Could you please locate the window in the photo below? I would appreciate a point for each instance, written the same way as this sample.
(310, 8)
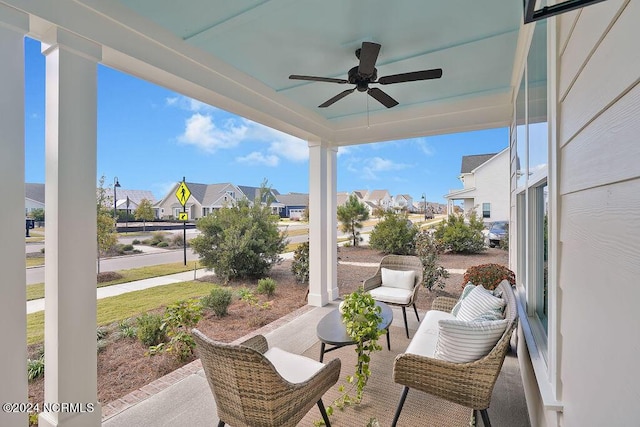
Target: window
(206, 211)
(486, 210)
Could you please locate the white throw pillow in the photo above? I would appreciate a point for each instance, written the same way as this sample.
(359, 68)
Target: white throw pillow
(478, 303)
(398, 278)
(465, 292)
(461, 342)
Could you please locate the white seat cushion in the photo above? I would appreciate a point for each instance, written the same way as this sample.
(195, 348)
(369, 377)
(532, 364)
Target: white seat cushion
(391, 295)
(479, 302)
(425, 339)
(460, 341)
(398, 278)
(292, 367)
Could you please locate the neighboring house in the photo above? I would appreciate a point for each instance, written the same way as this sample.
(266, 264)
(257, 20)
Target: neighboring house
(373, 199)
(403, 202)
(294, 205)
(203, 200)
(33, 197)
(134, 197)
(485, 178)
(253, 193)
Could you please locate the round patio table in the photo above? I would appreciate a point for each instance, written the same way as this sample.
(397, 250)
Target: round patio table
(332, 331)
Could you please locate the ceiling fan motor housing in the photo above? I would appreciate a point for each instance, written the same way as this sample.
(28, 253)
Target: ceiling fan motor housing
(362, 82)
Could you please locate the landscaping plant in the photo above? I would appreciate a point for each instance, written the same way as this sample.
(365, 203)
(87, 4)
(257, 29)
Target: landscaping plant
(150, 331)
(218, 301)
(240, 241)
(300, 263)
(266, 286)
(178, 320)
(426, 248)
(394, 234)
(489, 275)
(351, 215)
(458, 236)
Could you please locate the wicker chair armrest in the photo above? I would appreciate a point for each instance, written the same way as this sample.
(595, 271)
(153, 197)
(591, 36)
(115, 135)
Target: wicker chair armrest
(372, 282)
(315, 387)
(444, 304)
(258, 343)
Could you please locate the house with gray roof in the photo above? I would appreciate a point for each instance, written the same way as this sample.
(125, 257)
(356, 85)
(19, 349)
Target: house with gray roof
(485, 180)
(203, 200)
(129, 200)
(293, 205)
(33, 197)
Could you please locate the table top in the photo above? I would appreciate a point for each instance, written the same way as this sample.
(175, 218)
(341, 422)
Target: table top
(331, 330)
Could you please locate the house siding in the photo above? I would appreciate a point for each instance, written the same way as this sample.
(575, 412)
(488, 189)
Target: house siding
(598, 197)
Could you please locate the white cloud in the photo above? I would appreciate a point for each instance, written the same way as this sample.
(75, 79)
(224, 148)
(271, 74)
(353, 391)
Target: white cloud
(371, 168)
(189, 104)
(201, 132)
(426, 148)
(257, 158)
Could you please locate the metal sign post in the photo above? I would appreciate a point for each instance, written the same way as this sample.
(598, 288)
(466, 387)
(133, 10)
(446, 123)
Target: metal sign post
(183, 193)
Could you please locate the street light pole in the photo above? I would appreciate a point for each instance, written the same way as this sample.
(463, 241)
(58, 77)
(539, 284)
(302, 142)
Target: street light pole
(424, 206)
(116, 184)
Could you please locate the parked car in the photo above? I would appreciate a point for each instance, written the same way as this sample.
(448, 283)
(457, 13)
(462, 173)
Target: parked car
(497, 232)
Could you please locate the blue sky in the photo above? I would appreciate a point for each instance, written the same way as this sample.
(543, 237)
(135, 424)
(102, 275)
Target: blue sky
(150, 137)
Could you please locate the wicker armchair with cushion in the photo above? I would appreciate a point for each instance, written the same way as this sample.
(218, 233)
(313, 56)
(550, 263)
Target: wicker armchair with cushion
(397, 282)
(257, 386)
(458, 352)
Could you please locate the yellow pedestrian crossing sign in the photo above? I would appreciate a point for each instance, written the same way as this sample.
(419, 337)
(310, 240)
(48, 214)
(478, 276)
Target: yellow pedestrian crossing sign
(183, 216)
(183, 193)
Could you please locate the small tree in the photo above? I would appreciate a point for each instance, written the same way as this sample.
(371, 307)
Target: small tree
(427, 250)
(106, 228)
(351, 215)
(395, 234)
(144, 212)
(37, 214)
(240, 241)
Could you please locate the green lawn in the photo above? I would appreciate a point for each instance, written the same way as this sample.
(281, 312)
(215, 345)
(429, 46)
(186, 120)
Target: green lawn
(131, 304)
(36, 290)
(35, 261)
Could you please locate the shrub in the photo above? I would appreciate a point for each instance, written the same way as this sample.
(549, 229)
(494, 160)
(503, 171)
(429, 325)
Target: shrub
(489, 275)
(426, 248)
(136, 242)
(178, 320)
(35, 367)
(101, 332)
(239, 241)
(300, 264)
(127, 248)
(126, 329)
(162, 245)
(150, 331)
(393, 235)
(177, 240)
(457, 236)
(218, 301)
(267, 286)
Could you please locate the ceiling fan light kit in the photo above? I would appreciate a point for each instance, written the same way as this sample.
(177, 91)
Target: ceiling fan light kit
(366, 73)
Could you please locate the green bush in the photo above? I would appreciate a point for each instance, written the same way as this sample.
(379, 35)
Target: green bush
(427, 250)
(300, 263)
(395, 234)
(127, 330)
(127, 248)
(136, 242)
(162, 245)
(150, 331)
(101, 333)
(177, 322)
(241, 241)
(488, 275)
(218, 301)
(267, 286)
(457, 236)
(35, 367)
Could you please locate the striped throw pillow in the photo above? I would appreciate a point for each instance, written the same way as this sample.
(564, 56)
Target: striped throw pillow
(461, 342)
(478, 303)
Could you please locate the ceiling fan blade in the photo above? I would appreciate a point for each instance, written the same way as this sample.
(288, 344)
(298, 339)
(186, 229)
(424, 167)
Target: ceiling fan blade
(368, 57)
(436, 73)
(336, 98)
(382, 97)
(318, 79)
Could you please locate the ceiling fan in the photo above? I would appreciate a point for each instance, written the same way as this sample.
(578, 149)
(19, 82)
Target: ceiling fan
(366, 73)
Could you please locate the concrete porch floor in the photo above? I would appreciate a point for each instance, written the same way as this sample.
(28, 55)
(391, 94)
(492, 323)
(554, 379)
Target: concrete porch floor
(188, 400)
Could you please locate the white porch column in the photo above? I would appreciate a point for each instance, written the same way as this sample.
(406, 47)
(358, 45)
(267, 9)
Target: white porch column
(13, 333)
(318, 228)
(332, 223)
(70, 239)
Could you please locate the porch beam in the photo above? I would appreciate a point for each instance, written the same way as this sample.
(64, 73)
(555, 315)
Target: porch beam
(13, 358)
(70, 224)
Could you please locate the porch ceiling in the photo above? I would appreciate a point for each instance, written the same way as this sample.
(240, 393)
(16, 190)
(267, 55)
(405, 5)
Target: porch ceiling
(237, 55)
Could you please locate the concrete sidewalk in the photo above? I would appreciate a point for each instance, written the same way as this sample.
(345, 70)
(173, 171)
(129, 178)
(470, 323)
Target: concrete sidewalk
(109, 291)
